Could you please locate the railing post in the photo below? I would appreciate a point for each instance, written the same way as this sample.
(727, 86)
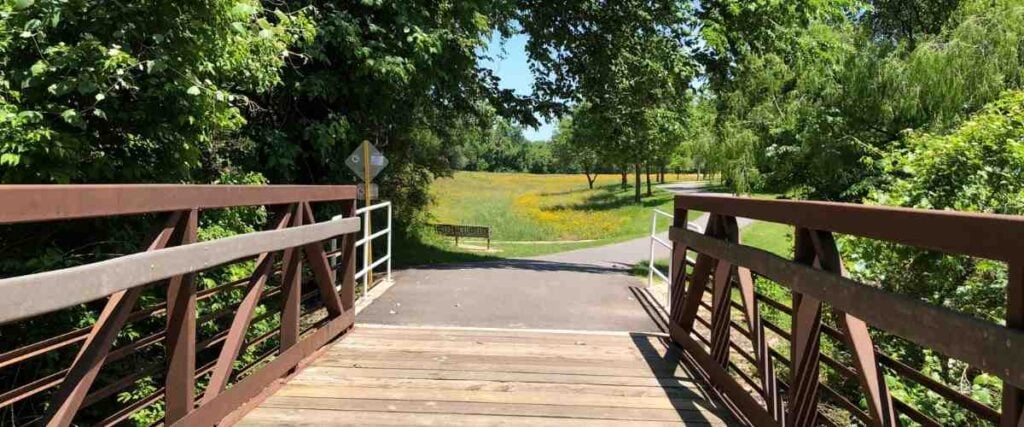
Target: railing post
(1013, 397)
(702, 270)
(322, 272)
(291, 288)
(650, 258)
(858, 339)
(762, 354)
(806, 344)
(181, 333)
(348, 258)
(367, 248)
(677, 284)
(391, 231)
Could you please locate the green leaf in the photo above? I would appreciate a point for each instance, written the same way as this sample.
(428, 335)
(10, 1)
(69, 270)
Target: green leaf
(243, 10)
(23, 4)
(193, 90)
(38, 68)
(10, 159)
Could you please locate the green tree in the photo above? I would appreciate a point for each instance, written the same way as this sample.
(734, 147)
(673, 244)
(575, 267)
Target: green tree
(141, 91)
(576, 146)
(625, 59)
(978, 167)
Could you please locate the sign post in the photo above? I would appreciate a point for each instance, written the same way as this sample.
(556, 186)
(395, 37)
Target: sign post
(367, 162)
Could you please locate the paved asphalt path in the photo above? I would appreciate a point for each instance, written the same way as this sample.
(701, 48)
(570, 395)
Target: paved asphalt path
(586, 289)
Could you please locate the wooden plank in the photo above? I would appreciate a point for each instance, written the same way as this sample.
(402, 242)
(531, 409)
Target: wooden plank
(443, 355)
(502, 335)
(29, 203)
(480, 347)
(542, 376)
(532, 366)
(310, 417)
(530, 397)
(411, 376)
(988, 346)
(318, 379)
(34, 294)
(569, 342)
(621, 343)
(483, 408)
(946, 231)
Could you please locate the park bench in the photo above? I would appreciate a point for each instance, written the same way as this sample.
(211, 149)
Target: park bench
(456, 231)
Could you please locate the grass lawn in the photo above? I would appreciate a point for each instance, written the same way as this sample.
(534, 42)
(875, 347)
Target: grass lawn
(557, 211)
(770, 236)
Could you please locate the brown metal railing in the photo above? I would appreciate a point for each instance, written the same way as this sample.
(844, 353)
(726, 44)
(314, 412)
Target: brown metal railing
(156, 292)
(716, 309)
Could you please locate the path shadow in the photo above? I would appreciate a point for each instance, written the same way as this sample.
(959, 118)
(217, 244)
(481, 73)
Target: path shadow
(528, 264)
(406, 248)
(651, 306)
(566, 192)
(611, 200)
(674, 355)
(665, 358)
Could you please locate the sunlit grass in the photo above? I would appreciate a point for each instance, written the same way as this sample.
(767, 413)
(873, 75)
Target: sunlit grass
(772, 237)
(526, 207)
(559, 211)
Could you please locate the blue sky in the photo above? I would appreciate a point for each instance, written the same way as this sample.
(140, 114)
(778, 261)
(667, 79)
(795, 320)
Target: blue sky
(510, 64)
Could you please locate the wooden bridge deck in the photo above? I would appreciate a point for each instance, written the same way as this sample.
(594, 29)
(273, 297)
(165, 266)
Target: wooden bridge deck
(444, 376)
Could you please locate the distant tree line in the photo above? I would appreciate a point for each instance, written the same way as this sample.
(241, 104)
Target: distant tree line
(502, 147)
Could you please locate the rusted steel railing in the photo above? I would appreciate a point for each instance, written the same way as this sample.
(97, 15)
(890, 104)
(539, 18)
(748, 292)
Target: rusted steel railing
(196, 378)
(717, 309)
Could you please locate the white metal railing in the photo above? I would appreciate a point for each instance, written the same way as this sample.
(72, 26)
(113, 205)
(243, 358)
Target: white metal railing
(366, 243)
(652, 269)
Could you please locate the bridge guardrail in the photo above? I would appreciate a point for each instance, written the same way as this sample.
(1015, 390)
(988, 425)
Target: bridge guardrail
(183, 337)
(816, 279)
(656, 241)
(365, 243)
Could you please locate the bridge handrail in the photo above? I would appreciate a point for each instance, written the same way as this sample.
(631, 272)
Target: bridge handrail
(656, 241)
(815, 278)
(174, 258)
(366, 243)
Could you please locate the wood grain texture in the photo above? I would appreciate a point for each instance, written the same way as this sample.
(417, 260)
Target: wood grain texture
(420, 376)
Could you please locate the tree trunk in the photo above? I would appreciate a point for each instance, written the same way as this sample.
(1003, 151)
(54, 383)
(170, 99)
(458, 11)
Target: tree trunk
(648, 167)
(625, 181)
(636, 183)
(661, 177)
(590, 181)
